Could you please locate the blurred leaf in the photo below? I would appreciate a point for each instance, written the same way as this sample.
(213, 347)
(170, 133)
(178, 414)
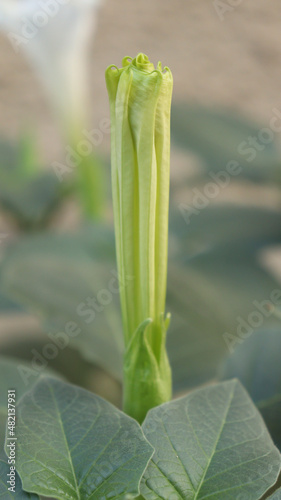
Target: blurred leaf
(72, 444)
(214, 277)
(8, 306)
(19, 161)
(10, 164)
(210, 444)
(223, 225)
(5, 494)
(54, 274)
(256, 362)
(91, 186)
(71, 282)
(29, 158)
(228, 240)
(28, 193)
(32, 203)
(216, 135)
(194, 341)
(237, 281)
(208, 299)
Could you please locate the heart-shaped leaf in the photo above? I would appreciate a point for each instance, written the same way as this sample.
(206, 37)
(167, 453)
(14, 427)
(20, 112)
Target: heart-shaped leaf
(210, 444)
(16, 493)
(74, 445)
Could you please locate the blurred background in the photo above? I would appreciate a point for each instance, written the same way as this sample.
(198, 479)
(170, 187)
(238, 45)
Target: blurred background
(56, 230)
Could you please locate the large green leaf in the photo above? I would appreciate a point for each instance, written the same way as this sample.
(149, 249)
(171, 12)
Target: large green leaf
(210, 444)
(56, 275)
(5, 494)
(74, 445)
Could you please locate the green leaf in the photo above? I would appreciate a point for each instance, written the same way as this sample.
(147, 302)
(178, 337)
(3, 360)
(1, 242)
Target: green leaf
(74, 445)
(210, 444)
(5, 494)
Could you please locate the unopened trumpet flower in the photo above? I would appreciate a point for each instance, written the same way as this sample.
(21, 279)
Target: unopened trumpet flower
(54, 36)
(140, 102)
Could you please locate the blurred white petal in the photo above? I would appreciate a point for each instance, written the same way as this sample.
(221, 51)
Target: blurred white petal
(54, 35)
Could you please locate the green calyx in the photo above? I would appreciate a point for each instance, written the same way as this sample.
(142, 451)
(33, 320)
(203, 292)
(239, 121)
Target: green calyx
(147, 380)
(140, 102)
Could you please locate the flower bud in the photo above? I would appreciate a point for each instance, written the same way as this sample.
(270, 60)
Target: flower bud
(140, 102)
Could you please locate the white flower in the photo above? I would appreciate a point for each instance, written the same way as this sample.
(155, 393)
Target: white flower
(54, 35)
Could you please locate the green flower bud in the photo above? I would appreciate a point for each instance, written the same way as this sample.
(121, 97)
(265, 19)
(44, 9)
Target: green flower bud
(140, 103)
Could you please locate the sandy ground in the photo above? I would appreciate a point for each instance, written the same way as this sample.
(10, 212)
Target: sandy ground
(234, 62)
